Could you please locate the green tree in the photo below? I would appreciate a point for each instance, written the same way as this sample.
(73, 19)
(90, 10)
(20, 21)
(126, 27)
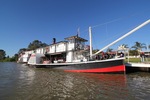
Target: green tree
(94, 51)
(133, 52)
(14, 58)
(109, 50)
(148, 47)
(138, 46)
(22, 50)
(2, 54)
(123, 47)
(36, 44)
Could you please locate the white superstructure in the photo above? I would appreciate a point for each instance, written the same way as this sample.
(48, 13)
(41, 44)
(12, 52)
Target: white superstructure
(24, 56)
(73, 49)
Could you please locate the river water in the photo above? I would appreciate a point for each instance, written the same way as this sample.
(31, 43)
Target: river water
(19, 82)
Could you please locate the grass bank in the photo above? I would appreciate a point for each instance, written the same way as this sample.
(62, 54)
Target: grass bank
(137, 60)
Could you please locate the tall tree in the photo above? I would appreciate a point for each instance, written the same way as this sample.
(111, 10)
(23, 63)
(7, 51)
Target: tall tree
(138, 46)
(36, 44)
(14, 58)
(148, 47)
(94, 51)
(109, 50)
(123, 47)
(2, 54)
(22, 50)
(133, 52)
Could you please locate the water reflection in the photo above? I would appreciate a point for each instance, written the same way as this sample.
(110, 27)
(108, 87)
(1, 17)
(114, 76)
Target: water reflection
(19, 82)
(54, 84)
(106, 86)
(139, 86)
(26, 75)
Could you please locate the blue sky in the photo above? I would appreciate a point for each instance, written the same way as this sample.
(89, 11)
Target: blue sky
(22, 21)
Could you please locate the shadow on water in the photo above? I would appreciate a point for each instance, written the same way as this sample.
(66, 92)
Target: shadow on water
(24, 83)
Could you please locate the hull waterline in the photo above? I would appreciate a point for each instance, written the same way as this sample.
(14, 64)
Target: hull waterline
(106, 66)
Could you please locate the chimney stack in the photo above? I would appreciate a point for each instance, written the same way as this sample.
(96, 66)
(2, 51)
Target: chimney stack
(54, 40)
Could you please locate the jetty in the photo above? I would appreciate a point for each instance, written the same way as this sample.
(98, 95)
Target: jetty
(137, 67)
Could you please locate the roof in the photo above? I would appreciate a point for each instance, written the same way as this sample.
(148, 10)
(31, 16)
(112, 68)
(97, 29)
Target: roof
(77, 38)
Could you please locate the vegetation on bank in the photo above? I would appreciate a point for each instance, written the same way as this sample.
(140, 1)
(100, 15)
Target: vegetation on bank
(137, 60)
(10, 59)
(32, 46)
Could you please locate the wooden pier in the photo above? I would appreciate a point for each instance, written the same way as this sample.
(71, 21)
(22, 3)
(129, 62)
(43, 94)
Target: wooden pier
(137, 67)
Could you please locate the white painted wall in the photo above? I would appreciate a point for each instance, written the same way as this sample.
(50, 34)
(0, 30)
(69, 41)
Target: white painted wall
(35, 58)
(25, 59)
(29, 52)
(61, 47)
(40, 50)
(71, 46)
(52, 49)
(69, 56)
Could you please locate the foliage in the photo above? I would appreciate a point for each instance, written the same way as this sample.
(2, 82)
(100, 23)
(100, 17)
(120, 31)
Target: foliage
(94, 51)
(22, 50)
(138, 46)
(12, 59)
(133, 52)
(32, 46)
(148, 47)
(2, 54)
(15, 57)
(135, 60)
(36, 44)
(123, 47)
(109, 50)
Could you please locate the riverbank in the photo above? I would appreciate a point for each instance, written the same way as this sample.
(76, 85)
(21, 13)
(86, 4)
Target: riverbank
(13, 59)
(137, 60)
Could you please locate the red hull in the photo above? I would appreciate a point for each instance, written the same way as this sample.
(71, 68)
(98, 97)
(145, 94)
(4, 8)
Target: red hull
(111, 69)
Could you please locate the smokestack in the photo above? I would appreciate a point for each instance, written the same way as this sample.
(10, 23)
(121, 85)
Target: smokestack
(54, 40)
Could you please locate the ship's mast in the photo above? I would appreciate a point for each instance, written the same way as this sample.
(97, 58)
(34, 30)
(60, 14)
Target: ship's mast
(90, 36)
(130, 32)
